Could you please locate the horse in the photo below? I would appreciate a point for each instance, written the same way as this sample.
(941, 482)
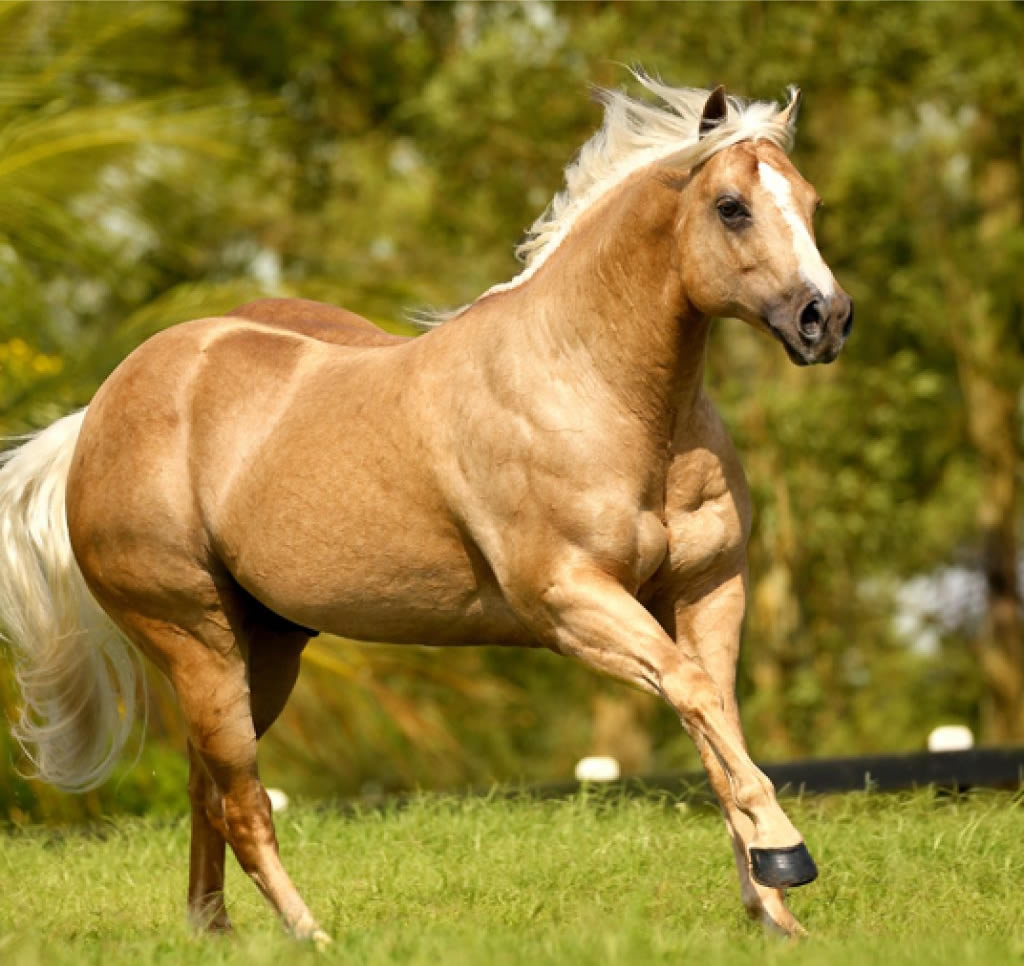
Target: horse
(540, 468)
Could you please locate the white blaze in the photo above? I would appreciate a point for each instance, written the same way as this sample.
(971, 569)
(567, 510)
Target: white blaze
(812, 265)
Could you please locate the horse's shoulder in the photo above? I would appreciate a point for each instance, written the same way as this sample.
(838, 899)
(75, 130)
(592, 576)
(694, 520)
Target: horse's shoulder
(316, 320)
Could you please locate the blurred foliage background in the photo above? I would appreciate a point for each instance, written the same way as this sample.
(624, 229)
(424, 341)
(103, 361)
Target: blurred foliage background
(160, 161)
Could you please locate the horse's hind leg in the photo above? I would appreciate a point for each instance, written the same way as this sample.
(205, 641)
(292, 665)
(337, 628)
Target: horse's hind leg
(274, 653)
(215, 699)
(206, 909)
(206, 663)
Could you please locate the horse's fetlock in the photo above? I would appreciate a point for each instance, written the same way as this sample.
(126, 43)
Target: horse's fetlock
(752, 795)
(754, 909)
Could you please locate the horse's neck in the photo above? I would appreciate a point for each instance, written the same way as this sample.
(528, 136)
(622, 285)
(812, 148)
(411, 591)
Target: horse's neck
(610, 304)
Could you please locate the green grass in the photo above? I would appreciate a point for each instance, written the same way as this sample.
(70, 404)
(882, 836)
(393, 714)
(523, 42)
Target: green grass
(906, 880)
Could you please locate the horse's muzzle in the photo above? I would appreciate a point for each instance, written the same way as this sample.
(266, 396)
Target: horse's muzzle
(811, 328)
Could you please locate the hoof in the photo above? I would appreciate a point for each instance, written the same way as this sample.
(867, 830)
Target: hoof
(783, 868)
(310, 932)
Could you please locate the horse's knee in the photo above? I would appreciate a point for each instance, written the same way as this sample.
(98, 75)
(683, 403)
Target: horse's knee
(693, 695)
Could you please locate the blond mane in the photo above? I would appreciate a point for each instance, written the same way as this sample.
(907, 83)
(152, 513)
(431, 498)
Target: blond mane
(636, 133)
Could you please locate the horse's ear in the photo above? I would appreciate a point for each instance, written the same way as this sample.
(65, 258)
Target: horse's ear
(788, 114)
(715, 110)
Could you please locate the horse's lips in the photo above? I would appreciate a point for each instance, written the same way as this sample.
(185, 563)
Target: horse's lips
(795, 356)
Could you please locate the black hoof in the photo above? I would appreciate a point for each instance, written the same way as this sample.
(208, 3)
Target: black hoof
(783, 868)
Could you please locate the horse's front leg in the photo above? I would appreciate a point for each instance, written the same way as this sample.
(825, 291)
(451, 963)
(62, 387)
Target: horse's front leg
(589, 615)
(709, 628)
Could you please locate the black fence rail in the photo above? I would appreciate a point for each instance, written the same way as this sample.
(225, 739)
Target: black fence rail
(979, 767)
(954, 770)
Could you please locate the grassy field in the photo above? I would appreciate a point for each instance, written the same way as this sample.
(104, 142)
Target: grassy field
(595, 879)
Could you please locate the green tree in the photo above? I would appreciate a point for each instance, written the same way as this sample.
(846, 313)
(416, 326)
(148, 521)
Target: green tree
(161, 161)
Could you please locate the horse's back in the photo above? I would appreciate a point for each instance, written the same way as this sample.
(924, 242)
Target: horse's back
(317, 320)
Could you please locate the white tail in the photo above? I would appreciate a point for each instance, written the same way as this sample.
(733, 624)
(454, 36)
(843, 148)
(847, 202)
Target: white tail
(78, 675)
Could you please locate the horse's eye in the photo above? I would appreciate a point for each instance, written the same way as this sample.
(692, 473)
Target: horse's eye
(732, 211)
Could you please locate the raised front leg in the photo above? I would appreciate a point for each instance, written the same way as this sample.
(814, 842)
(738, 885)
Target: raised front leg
(709, 630)
(591, 616)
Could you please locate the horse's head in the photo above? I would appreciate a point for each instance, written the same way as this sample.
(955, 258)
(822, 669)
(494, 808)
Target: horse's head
(748, 234)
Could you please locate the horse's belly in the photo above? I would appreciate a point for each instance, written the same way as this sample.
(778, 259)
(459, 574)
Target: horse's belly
(361, 560)
(379, 597)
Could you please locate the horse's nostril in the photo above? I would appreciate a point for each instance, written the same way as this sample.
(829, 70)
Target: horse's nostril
(848, 324)
(811, 319)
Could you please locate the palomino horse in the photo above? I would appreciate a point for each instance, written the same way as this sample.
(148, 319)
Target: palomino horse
(543, 469)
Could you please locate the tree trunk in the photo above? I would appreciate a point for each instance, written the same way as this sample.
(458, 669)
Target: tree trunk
(989, 368)
(992, 424)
